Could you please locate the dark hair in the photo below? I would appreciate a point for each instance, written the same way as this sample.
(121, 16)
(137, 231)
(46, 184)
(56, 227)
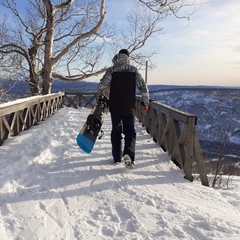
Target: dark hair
(124, 51)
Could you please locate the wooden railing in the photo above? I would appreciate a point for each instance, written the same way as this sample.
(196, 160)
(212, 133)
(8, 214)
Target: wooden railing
(80, 99)
(175, 132)
(20, 115)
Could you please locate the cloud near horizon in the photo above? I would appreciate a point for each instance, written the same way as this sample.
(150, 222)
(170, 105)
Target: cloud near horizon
(206, 50)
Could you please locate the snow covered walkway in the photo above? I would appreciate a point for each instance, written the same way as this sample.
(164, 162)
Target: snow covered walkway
(51, 190)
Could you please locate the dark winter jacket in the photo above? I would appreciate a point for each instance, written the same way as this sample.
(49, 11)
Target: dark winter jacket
(122, 79)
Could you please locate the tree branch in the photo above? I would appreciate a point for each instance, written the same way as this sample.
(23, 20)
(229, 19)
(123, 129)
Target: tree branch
(83, 36)
(79, 77)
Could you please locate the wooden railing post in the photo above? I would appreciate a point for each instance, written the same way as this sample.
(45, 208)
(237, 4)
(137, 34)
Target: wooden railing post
(189, 148)
(200, 161)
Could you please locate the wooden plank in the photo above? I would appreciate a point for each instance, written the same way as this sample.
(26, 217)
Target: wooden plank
(153, 124)
(42, 110)
(1, 131)
(80, 96)
(72, 104)
(164, 141)
(183, 136)
(4, 130)
(189, 149)
(12, 123)
(147, 120)
(69, 100)
(170, 136)
(155, 135)
(200, 162)
(163, 129)
(178, 151)
(8, 131)
(23, 119)
(89, 101)
(34, 115)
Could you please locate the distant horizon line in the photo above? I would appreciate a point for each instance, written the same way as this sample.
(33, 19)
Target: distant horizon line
(194, 86)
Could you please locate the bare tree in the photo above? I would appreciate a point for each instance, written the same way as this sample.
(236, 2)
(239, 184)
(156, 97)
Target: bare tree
(223, 167)
(172, 7)
(51, 33)
(142, 26)
(8, 65)
(66, 40)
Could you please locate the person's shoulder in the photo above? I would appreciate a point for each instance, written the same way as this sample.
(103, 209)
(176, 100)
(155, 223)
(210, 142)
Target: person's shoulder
(133, 68)
(110, 69)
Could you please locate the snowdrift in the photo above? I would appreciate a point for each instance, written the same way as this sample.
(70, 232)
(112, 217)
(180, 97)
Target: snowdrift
(50, 189)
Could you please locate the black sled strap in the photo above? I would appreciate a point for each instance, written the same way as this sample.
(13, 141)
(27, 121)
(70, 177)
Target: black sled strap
(94, 125)
(101, 134)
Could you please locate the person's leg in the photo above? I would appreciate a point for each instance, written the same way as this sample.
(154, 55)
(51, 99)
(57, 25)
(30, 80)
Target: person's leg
(116, 137)
(130, 135)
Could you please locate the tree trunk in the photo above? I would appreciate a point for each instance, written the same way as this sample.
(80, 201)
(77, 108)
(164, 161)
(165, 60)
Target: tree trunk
(48, 64)
(34, 86)
(47, 80)
(34, 77)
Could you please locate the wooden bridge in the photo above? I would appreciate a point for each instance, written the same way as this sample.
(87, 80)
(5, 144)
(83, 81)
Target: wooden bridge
(174, 130)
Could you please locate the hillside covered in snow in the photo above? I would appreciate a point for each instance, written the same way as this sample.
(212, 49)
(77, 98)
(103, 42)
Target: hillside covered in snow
(51, 190)
(218, 113)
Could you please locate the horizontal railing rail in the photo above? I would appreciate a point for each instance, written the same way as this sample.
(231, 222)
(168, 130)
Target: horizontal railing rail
(80, 99)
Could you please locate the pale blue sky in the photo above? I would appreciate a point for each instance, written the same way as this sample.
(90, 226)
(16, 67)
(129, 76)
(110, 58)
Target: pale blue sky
(207, 51)
(203, 51)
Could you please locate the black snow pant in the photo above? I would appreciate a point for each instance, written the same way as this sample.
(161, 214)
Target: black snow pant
(123, 124)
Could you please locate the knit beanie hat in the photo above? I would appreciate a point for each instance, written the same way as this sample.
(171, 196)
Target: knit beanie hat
(124, 51)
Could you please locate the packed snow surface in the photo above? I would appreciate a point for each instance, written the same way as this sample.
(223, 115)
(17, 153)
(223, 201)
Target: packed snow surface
(50, 189)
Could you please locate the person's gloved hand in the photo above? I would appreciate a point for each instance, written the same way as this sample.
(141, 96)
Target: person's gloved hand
(144, 108)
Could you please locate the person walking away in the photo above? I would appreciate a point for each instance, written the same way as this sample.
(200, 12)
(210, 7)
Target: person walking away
(120, 81)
